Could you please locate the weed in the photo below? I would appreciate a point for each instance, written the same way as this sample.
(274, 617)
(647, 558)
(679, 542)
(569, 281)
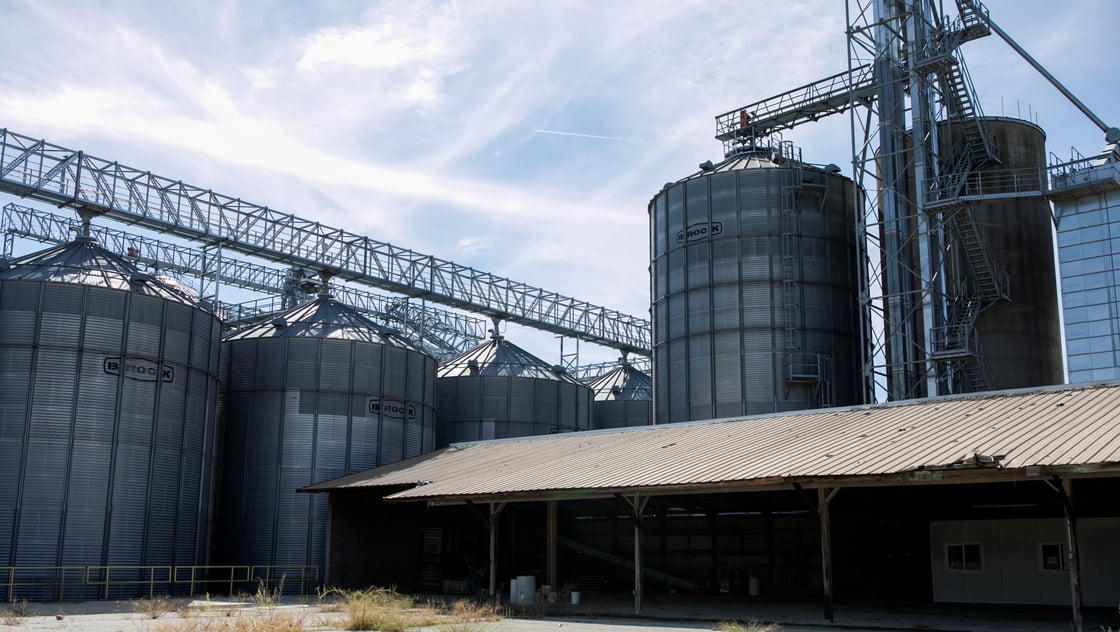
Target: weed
(460, 627)
(749, 626)
(387, 610)
(271, 621)
(153, 607)
(266, 597)
(16, 612)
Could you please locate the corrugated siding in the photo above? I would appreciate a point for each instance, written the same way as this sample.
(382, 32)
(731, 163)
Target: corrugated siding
(1053, 427)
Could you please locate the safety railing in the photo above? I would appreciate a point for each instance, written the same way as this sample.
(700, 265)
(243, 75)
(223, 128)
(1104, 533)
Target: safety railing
(32, 578)
(57, 583)
(109, 576)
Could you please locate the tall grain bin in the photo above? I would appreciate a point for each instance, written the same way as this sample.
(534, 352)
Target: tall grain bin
(498, 390)
(754, 289)
(1021, 337)
(317, 392)
(623, 397)
(108, 385)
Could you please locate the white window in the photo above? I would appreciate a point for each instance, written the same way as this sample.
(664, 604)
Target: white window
(964, 557)
(1052, 557)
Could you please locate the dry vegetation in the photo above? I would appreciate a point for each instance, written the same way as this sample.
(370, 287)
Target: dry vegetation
(370, 609)
(750, 626)
(16, 612)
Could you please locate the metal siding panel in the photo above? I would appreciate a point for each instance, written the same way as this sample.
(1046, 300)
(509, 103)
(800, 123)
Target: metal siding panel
(334, 366)
(145, 326)
(521, 399)
(698, 256)
(699, 311)
(392, 440)
(303, 363)
(547, 402)
(177, 333)
(678, 315)
(700, 384)
(415, 376)
(266, 369)
(396, 367)
(414, 437)
(495, 397)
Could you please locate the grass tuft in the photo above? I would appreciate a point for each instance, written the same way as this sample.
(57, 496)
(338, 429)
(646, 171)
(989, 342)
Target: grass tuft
(749, 626)
(16, 612)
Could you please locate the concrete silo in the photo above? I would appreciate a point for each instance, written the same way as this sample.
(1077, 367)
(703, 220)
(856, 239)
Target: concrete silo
(754, 288)
(108, 386)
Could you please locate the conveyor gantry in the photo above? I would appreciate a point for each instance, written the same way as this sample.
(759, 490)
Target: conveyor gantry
(812, 101)
(93, 186)
(441, 332)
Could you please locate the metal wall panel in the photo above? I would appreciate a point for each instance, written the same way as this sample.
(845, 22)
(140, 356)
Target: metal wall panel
(506, 405)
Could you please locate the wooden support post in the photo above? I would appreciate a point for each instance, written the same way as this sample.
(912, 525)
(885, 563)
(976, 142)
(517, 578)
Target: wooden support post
(824, 497)
(495, 510)
(637, 507)
(1071, 551)
(550, 562)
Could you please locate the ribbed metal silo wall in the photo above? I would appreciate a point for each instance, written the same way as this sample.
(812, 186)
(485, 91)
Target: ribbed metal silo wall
(305, 410)
(483, 407)
(1021, 338)
(752, 268)
(624, 413)
(107, 404)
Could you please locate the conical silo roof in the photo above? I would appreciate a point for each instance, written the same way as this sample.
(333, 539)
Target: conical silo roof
(85, 262)
(624, 382)
(324, 317)
(501, 357)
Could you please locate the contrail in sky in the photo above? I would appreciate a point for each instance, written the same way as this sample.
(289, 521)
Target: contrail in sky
(549, 131)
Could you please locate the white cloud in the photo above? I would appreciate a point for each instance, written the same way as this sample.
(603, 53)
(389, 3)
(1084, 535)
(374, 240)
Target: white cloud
(413, 121)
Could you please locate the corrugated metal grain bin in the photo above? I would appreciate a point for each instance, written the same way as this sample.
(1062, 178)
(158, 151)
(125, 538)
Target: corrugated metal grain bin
(754, 289)
(108, 386)
(317, 392)
(623, 398)
(498, 390)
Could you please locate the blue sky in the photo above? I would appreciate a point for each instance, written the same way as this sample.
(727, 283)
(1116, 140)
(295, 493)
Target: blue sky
(521, 138)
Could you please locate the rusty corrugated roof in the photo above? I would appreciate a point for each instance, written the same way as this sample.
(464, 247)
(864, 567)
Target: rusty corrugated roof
(1051, 428)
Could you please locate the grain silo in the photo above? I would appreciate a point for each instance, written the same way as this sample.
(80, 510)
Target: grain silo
(316, 392)
(108, 385)
(623, 397)
(1014, 220)
(754, 288)
(498, 390)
